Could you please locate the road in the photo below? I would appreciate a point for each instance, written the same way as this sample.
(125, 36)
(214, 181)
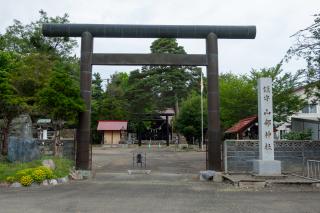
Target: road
(166, 189)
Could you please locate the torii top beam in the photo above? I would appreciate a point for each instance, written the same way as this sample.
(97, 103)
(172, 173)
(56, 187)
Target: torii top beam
(149, 31)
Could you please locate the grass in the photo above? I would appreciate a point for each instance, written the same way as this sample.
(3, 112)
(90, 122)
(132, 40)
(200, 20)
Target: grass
(9, 169)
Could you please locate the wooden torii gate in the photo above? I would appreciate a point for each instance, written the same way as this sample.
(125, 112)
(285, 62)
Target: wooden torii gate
(210, 33)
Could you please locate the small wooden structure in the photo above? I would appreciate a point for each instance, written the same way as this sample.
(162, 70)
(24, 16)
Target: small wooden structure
(113, 131)
(246, 128)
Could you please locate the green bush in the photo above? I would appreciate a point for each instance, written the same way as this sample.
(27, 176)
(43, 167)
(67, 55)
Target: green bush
(18, 169)
(299, 135)
(26, 180)
(10, 179)
(63, 167)
(48, 172)
(38, 175)
(23, 172)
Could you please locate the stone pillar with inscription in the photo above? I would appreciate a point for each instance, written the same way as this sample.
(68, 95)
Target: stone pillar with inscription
(266, 165)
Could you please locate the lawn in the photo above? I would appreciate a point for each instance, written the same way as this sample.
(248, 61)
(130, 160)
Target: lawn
(9, 169)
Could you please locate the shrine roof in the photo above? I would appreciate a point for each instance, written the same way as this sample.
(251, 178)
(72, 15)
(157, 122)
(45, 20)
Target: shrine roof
(112, 125)
(242, 124)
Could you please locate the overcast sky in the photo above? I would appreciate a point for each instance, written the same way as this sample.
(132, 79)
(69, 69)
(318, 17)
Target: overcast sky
(276, 20)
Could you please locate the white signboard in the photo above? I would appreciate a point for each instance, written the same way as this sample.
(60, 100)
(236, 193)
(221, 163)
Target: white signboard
(265, 116)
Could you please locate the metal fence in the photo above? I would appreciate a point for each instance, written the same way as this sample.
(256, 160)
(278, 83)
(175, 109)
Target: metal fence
(313, 169)
(240, 154)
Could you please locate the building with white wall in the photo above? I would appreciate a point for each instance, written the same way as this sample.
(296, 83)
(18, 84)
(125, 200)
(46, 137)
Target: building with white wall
(306, 118)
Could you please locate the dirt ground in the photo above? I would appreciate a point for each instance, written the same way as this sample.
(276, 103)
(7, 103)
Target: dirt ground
(163, 160)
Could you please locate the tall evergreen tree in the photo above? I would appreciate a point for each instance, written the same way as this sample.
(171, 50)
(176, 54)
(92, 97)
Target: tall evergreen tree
(60, 100)
(115, 104)
(11, 104)
(96, 106)
(170, 84)
(37, 56)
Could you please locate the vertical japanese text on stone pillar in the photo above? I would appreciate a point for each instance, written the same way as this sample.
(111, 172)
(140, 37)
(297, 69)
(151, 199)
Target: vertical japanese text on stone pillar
(265, 119)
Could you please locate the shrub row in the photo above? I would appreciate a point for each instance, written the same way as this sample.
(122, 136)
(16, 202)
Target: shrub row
(28, 176)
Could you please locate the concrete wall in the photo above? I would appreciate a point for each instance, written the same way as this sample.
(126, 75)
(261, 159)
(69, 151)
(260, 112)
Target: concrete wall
(239, 154)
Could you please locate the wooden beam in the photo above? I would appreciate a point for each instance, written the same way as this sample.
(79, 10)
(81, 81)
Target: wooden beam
(149, 59)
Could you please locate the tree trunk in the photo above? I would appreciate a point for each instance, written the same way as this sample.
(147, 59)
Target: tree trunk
(176, 109)
(5, 141)
(57, 149)
(59, 145)
(6, 129)
(176, 106)
(55, 141)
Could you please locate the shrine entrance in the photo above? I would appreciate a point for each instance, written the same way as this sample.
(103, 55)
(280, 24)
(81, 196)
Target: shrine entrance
(87, 59)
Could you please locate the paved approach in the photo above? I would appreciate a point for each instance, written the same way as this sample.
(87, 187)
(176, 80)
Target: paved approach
(167, 189)
(163, 160)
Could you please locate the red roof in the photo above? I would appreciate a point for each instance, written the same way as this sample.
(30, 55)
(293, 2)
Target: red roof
(242, 124)
(112, 125)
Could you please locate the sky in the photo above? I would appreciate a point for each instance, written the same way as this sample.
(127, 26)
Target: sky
(276, 21)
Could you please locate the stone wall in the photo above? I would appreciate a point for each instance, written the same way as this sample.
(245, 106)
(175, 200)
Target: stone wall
(239, 154)
(67, 148)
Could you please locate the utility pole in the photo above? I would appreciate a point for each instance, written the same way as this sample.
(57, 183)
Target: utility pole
(201, 111)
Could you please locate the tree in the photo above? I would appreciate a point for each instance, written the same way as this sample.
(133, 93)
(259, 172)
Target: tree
(28, 38)
(285, 101)
(31, 77)
(188, 121)
(60, 99)
(139, 96)
(166, 45)
(27, 63)
(238, 95)
(307, 46)
(96, 106)
(115, 103)
(169, 84)
(238, 99)
(37, 56)
(11, 105)
(97, 90)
